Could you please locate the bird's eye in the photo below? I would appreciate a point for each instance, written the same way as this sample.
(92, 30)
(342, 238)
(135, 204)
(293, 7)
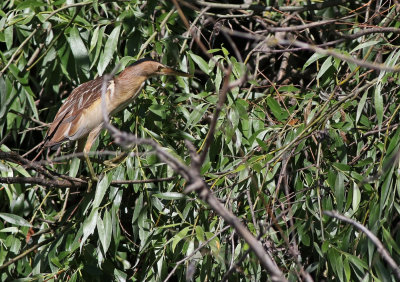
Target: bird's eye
(160, 68)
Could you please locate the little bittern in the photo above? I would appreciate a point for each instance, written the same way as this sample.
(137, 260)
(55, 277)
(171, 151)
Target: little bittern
(80, 117)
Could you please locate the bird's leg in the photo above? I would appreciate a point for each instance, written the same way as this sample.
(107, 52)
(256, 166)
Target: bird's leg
(93, 176)
(81, 148)
(89, 142)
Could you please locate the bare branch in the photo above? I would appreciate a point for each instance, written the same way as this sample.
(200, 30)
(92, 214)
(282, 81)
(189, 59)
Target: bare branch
(333, 53)
(305, 46)
(260, 8)
(153, 180)
(62, 183)
(25, 253)
(41, 181)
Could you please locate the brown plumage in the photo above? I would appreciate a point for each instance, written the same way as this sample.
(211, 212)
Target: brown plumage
(80, 117)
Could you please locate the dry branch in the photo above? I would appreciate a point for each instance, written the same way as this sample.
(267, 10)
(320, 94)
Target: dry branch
(261, 8)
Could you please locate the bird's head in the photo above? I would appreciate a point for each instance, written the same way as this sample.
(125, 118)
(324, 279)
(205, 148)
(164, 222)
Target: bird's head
(149, 67)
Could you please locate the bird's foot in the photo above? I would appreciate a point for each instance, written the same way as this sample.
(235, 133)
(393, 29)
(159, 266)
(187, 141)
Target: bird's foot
(92, 181)
(117, 160)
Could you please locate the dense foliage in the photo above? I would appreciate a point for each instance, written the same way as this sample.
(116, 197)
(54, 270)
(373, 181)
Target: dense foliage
(309, 127)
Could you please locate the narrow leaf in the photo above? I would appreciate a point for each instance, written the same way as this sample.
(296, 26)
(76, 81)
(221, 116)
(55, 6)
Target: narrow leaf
(378, 101)
(361, 105)
(89, 226)
(201, 63)
(325, 66)
(178, 237)
(170, 195)
(109, 50)
(101, 190)
(78, 49)
(14, 219)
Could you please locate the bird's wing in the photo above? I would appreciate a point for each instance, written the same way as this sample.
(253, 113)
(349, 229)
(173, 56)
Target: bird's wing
(66, 124)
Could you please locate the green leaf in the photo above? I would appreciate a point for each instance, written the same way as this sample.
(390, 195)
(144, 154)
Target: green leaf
(74, 167)
(360, 264)
(214, 244)
(93, 41)
(325, 66)
(341, 166)
(98, 45)
(159, 110)
(200, 234)
(79, 50)
(101, 189)
(9, 230)
(378, 103)
(120, 275)
(104, 229)
(361, 105)
(8, 34)
(356, 197)
(30, 4)
(14, 219)
(312, 59)
(196, 115)
(364, 45)
(89, 226)
(276, 109)
(179, 236)
(339, 191)
(109, 50)
(170, 195)
(107, 220)
(201, 63)
(138, 208)
(346, 268)
(335, 260)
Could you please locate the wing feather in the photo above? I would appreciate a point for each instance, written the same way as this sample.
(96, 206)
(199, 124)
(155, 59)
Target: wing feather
(68, 120)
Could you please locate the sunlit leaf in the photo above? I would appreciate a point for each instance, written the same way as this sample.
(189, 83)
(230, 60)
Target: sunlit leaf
(14, 219)
(109, 49)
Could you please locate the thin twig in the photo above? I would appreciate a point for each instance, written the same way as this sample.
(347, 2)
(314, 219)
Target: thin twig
(261, 8)
(30, 250)
(153, 180)
(305, 46)
(41, 181)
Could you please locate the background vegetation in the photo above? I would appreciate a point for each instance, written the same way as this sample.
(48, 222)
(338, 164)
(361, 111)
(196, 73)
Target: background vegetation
(310, 124)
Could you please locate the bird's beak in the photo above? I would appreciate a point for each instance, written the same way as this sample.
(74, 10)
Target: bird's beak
(171, 71)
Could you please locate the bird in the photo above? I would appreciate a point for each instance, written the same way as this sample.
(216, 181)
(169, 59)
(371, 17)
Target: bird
(80, 116)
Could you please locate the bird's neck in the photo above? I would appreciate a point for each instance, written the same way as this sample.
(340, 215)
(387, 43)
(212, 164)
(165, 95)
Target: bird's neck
(127, 86)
